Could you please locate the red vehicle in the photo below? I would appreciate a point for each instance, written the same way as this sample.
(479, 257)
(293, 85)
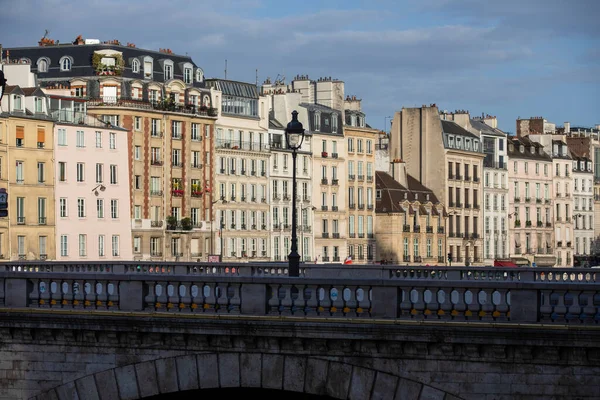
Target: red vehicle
(505, 264)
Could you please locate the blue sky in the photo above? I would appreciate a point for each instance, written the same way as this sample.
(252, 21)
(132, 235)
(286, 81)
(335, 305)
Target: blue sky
(509, 58)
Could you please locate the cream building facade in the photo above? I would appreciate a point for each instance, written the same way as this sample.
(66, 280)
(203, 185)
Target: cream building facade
(242, 156)
(28, 231)
(361, 143)
(583, 207)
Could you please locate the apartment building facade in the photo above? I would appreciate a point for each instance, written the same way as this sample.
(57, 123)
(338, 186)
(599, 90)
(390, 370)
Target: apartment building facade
(242, 155)
(281, 201)
(531, 204)
(495, 188)
(361, 144)
(161, 99)
(92, 190)
(410, 220)
(27, 231)
(583, 209)
(447, 158)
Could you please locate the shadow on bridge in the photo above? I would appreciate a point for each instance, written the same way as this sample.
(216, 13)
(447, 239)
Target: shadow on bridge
(232, 393)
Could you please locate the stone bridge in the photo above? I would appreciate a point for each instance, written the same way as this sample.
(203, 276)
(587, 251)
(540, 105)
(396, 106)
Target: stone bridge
(176, 331)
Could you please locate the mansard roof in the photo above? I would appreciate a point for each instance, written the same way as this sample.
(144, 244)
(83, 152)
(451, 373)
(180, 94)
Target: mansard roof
(235, 88)
(82, 60)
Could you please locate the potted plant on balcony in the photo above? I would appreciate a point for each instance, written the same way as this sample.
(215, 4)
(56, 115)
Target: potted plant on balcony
(203, 108)
(212, 112)
(171, 222)
(186, 224)
(196, 190)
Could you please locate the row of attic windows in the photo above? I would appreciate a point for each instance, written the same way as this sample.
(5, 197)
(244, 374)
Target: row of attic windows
(66, 63)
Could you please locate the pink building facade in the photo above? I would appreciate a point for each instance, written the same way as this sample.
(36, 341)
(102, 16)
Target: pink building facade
(92, 191)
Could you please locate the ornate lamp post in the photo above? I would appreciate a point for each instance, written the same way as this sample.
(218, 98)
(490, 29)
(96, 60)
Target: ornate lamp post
(294, 134)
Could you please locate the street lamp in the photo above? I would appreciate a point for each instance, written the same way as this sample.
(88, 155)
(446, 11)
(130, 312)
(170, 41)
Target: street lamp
(294, 135)
(302, 230)
(212, 234)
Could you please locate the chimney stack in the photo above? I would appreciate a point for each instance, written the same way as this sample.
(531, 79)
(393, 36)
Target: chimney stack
(567, 127)
(399, 172)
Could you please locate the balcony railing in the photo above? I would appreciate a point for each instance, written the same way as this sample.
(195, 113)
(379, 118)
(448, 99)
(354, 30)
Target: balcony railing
(406, 228)
(20, 220)
(156, 224)
(416, 228)
(335, 235)
(42, 220)
(324, 181)
(164, 105)
(241, 145)
(325, 235)
(429, 229)
(440, 229)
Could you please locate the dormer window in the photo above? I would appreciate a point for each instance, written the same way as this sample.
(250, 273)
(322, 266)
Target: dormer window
(541, 151)
(589, 166)
(378, 194)
(135, 66)
(17, 101)
(582, 165)
(476, 145)
(468, 144)
(199, 75)
(187, 75)
(66, 63)
(451, 141)
(458, 143)
(39, 105)
(522, 149)
(148, 67)
(334, 123)
(168, 71)
(317, 121)
(532, 149)
(574, 165)
(42, 65)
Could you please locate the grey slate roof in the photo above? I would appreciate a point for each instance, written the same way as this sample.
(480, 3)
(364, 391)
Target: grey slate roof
(234, 88)
(485, 129)
(82, 61)
(453, 128)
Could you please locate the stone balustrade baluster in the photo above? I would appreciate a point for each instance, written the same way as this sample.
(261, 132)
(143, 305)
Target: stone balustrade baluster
(101, 294)
(273, 301)
(574, 309)
(112, 294)
(185, 298)
(78, 293)
(324, 300)
(460, 307)
(222, 298)
(406, 304)
(150, 298)
(350, 302)
(310, 294)
(560, 310)
(235, 300)
(445, 305)
(34, 294)
(431, 304)
(589, 310)
(285, 299)
(336, 297)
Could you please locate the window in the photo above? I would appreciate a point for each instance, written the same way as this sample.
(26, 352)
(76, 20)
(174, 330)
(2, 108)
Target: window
(137, 182)
(42, 65)
(114, 208)
(80, 136)
(138, 123)
(98, 139)
(62, 137)
(137, 154)
(64, 245)
(317, 121)
(81, 208)
(359, 145)
(65, 63)
(176, 157)
(41, 210)
(115, 245)
(99, 173)
(135, 66)
(20, 173)
(187, 75)
(350, 145)
(113, 174)
(196, 136)
(80, 172)
(41, 172)
(63, 207)
(168, 71)
(100, 245)
(112, 137)
(82, 245)
(100, 208)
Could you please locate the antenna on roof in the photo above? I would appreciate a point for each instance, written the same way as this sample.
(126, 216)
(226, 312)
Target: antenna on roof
(46, 32)
(225, 68)
(256, 76)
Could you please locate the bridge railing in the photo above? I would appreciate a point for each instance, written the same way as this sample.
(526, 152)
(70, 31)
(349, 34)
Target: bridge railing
(479, 294)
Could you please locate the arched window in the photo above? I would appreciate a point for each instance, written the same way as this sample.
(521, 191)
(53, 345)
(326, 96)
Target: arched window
(135, 66)
(199, 75)
(42, 65)
(66, 63)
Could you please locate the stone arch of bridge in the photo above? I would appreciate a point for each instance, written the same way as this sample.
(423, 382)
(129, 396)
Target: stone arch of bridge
(289, 373)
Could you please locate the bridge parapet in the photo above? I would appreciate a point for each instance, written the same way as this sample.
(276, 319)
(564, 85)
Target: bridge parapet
(492, 295)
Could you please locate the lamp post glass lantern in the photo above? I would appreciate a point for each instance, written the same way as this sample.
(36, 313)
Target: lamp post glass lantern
(294, 135)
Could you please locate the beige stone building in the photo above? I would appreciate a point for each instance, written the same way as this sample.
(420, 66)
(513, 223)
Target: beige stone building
(410, 220)
(27, 175)
(242, 157)
(360, 165)
(445, 157)
(531, 226)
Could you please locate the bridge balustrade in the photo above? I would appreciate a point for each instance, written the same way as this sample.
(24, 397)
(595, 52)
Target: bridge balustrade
(477, 294)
